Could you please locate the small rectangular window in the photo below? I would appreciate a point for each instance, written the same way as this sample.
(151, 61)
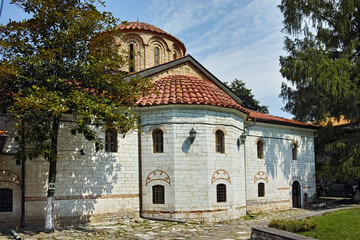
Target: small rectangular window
(261, 190)
(221, 193)
(158, 194)
(6, 199)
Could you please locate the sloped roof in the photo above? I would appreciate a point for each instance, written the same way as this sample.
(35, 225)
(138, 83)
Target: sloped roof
(145, 27)
(183, 89)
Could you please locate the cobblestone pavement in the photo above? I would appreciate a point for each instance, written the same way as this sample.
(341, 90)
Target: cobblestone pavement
(140, 229)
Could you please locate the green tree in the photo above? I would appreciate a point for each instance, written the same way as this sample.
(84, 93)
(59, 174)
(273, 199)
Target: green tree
(62, 62)
(323, 73)
(238, 87)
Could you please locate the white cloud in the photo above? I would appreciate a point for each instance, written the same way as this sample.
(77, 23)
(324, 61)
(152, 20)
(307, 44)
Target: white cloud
(232, 39)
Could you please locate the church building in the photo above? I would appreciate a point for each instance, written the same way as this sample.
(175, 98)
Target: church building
(201, 155)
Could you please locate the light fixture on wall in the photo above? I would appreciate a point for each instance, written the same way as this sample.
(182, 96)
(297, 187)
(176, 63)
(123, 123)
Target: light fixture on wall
(243, 138)
(192, 135)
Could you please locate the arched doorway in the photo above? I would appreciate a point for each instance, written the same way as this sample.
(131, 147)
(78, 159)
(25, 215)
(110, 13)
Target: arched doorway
(296, 195)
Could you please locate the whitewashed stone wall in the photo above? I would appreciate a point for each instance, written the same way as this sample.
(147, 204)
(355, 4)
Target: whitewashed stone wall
(280, 169)
(191, 193)
(87, 186)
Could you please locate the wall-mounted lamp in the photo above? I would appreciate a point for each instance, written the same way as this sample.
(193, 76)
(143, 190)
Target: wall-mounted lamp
(82, 152)
(192, 135)
(243, 138)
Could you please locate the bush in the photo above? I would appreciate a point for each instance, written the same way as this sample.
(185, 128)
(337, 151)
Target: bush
(293, 225)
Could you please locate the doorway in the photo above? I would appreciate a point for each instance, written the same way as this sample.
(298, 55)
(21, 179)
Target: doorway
(296, 195)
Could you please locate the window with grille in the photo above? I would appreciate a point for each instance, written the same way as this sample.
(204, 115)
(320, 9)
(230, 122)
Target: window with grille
(158, 194)
(110, 140)
(158, 141)
(261, 190)
(294, 151)
(221, 193)
(6, 199)
(131, 57)
(220, 141)
(260, 149)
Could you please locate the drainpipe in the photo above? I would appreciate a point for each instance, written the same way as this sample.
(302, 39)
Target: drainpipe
(23, 158)
(140, 171)
(245, 172)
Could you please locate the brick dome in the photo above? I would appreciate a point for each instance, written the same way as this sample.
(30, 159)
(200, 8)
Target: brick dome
(145, 27)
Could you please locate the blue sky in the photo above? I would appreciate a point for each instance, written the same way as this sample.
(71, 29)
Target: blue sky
(232, 38)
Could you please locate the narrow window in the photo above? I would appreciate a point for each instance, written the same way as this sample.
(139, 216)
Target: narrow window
(156, 54)
(294, 151)
(221, 193)
(131, 57)
(158, 194)
(260, 149)
(6, 199)
(261, 190)
(110, 140)
(175, 56)
(158, 141)
(220, 141)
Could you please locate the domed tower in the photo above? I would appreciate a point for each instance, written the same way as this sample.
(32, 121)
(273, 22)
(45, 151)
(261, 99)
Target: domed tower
(148, 45)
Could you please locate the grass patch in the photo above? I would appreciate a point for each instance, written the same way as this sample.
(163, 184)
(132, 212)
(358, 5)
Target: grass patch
(338, 225)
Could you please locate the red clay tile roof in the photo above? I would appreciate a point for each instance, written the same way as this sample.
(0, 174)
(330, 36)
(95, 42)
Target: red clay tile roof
(145, 27)
(182, 89)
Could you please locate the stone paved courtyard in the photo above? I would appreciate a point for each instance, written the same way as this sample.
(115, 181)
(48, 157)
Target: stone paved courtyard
(147, 229)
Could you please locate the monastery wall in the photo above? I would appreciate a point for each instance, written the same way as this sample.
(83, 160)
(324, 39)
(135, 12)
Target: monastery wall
(277, 170)
(189, 171)
(87, 186)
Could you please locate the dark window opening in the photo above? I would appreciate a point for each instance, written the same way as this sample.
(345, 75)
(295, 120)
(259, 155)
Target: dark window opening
(131, 56)
(156, 53)
(158, 141)
(110, 140)
(260, 149)
(158, 194)
(221, 193)
(6, 200)
(294, 151)
(220, 141)
(261, 190)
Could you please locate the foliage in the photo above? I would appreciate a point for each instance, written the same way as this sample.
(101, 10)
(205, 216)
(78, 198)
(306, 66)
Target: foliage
(238, 87)
(293, 225)
(61, 61)
(341, 148)
(338, 225)
(323, 73)
(323, 62)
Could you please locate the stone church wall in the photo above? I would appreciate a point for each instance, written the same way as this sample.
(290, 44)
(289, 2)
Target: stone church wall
(87, 186)
(277, 170)
(194, 169)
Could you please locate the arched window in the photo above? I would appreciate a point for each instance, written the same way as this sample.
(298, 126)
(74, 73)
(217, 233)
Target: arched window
(158, 141)
(156, 56)
(221, 193)
(260, 149)
(110, 140)
(6, 200)
(174, 56)
(294, 149)
(158, 192)
(132, 58)
(220, 141)
(261, 190)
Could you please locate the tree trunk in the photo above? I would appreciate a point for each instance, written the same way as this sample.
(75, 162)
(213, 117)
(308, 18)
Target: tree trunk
(49, 217)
